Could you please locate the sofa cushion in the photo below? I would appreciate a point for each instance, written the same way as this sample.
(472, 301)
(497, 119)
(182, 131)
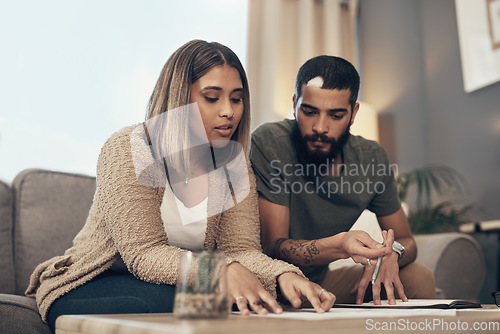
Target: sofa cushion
(456, 260)
(50, 209)
(6, 247)
(19, 315)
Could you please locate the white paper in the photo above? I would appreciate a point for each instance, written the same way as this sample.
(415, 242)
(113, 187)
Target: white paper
(400, 303)
(350, 313)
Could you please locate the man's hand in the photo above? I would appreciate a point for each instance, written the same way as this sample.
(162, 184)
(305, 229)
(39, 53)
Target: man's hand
(388, 275)
(307, 253)
(360, 247)
(294, 287)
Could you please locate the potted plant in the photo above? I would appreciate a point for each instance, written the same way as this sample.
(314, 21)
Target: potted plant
(428, 218)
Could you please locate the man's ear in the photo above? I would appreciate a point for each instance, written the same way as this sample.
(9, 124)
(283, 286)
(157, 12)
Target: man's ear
(294, 105)
(354, 112)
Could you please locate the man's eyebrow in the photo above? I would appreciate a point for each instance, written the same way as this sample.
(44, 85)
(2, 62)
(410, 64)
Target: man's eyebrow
(308, 106)
(329, 110)
(338, 110)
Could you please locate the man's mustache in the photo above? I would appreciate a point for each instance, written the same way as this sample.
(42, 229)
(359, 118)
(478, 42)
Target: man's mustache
(319, 136)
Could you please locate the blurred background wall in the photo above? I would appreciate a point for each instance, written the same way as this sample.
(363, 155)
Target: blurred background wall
(411, 71)
(408, 56)
(73, 72)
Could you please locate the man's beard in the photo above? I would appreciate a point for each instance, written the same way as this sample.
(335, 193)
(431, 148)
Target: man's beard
(318, 156)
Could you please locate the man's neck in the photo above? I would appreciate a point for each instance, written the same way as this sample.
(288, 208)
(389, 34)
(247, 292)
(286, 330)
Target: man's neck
(336, 167)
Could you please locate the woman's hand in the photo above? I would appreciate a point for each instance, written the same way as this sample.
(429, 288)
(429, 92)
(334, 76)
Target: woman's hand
(245, 289)
(294, 287)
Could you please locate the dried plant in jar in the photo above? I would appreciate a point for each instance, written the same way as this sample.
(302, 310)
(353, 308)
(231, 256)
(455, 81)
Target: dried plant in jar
(201, 288)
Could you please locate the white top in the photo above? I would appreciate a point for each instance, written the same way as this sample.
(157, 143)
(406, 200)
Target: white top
(185, 227)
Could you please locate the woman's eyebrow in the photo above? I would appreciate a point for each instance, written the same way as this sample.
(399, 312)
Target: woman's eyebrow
(211, 88)
(240, 89)
(217, 88)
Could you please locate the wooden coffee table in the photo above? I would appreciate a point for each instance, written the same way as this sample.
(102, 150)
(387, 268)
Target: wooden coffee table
(487, 319)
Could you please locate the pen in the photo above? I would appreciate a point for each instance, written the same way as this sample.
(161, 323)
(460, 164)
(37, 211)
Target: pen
(377, 267)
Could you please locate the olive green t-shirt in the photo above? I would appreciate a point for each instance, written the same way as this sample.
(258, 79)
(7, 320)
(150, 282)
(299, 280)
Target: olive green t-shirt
(321, 205)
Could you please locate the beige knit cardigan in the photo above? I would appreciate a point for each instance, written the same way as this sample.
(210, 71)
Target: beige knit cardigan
(125, 220)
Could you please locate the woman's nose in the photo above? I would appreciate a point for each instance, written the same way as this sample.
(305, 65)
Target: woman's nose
(226, 110)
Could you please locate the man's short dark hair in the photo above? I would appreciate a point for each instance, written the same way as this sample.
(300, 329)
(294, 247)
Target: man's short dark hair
(336, 72)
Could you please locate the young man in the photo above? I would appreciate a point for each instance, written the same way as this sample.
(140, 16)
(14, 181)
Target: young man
(315, 179)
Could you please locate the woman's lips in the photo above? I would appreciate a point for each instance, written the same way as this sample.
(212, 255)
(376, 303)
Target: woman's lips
(224, 130)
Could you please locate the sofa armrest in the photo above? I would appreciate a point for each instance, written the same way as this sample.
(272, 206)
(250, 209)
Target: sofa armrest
(456, 260)
(6, 246)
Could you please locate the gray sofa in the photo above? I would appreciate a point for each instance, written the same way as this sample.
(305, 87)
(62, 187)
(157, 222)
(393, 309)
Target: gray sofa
(42, 211)
(39, 216)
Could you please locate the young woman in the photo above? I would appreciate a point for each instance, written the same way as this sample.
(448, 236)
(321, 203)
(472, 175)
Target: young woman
(180, 181)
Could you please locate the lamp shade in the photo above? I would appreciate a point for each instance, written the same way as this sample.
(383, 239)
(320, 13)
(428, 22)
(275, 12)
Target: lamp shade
(366, 122)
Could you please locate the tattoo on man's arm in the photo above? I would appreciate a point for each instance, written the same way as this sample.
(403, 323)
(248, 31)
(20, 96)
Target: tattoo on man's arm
(297, 251)
(277, 246)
